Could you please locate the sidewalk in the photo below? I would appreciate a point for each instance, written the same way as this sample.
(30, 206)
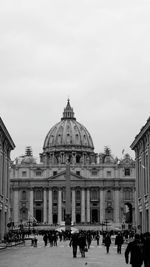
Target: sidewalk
(11, 244)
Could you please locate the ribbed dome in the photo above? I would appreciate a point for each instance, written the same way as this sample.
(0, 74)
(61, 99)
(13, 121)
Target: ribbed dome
(68, 134)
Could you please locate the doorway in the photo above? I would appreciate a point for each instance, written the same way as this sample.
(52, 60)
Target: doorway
(38, 215)
(54, 218)
(94, 216)
(78, 218)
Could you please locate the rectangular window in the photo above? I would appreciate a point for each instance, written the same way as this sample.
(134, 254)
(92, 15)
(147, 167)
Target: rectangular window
(94, 172)
(127, 195)
(78, 195)
(94, 195)
(78, 173)
(24, 173)
(127, 172)
(108, 173)
(38, 173)
(38, 194)
(54, 173)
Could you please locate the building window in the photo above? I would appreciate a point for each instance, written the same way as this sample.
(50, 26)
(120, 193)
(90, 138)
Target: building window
(127, 195)
(38, 195)
(54, 173)
(127, 172)
(108, 195)
(24, 173)
(94, 172)
(78, 173)
(108, 173)
(38, 173)
(23, 195)
(78, 195)
(94, 194)
(55, 195)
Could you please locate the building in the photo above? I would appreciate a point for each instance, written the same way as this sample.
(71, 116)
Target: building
(141, 146)
(102, 187)
(6, 145)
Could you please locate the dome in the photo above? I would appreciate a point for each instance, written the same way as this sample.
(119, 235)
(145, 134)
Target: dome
(28, 160)
(28, 157)
(68, 134)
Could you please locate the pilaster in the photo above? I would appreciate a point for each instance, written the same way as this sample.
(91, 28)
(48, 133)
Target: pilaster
(73, 206)
(88, 205)
(50, 221)
(83, 205)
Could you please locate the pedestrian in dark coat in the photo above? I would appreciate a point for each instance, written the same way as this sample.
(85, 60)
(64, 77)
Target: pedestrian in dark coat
(135, 249)
(146, 250)
(82, 243)
(97, 239)
(74, 244)
(107, 242)
(45, 237)
(119, 242)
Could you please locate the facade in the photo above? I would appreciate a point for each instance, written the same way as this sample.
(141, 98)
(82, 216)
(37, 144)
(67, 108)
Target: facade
(102, 188)
(141, 146)
(6, 145)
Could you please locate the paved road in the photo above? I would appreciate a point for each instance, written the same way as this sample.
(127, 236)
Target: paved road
(60, 256)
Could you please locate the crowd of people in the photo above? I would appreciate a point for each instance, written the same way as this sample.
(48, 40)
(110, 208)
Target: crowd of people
(137, 250)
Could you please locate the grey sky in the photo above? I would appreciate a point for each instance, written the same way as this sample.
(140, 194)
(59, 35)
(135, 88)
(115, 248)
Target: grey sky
(97, 53)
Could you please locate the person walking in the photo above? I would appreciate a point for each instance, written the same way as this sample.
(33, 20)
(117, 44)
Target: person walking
(135, 249)
(118, 242)
(82, 243)
(74, 244)
(45, 238)
(107, 242)
(97, 238)
(146, 249)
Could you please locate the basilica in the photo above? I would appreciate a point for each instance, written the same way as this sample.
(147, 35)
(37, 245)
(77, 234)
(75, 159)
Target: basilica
(102, 188)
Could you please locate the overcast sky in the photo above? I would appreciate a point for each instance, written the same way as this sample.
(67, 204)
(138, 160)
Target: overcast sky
(95, 52)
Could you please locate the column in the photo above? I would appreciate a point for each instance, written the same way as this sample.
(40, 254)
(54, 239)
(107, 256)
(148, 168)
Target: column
(50, 221)
(102, 206)
(117, 208)
(83, 205)
(45, 205)
(16, 207)
(88, 205)
(31, 205)
(59, 207)
(73, 207)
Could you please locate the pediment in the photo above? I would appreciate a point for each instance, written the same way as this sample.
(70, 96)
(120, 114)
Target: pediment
(62, 177)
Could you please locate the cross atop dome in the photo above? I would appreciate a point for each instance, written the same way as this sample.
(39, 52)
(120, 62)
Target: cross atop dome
(68, 112)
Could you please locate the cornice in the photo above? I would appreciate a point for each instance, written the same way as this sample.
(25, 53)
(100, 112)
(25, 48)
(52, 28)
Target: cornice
(6, 133)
